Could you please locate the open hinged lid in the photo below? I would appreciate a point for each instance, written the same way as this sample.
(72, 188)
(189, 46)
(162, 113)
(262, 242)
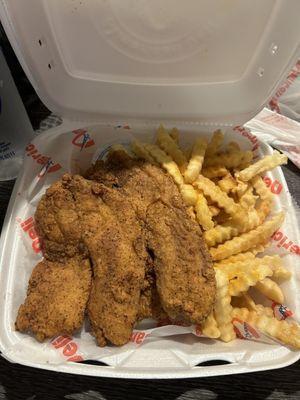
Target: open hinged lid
(213, 61)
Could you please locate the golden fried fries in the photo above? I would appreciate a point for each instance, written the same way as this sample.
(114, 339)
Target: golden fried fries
(215, 143)
(248, 240)
(286, 332)
(227, 196)
(263, 165)
(195, 164)
(214, 210)
(220, 234)
(210, 327)
(139, 150)
(189, 194)
(203, 213)
(214, 172)
(227, 183)
(217, 195)
(227, 160)
(165, 161)
(170, 147)
(244, 300)
(223, 308)
(243, 256)
(271, 290)
(248, 199)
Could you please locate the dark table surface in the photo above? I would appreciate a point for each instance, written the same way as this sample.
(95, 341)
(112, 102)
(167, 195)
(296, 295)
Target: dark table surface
(19, 382)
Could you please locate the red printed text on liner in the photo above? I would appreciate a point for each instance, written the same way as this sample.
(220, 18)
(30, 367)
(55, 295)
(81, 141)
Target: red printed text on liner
(48, 165)
(28, 227)
(68, 348)
(285, 243)
(247, 134)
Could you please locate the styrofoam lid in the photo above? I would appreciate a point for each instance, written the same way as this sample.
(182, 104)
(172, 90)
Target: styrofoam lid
(204, 60)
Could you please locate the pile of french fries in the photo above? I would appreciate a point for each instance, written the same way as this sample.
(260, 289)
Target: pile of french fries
(226, 194)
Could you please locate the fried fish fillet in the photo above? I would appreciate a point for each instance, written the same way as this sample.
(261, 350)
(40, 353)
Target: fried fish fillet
(183, 268)
(118, 271)
(58, 225)
(56, 298)
(184, 274)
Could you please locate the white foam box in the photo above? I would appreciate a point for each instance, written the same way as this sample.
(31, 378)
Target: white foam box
(198, 65)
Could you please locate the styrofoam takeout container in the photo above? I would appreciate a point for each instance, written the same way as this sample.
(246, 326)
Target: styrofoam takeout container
(199, 64)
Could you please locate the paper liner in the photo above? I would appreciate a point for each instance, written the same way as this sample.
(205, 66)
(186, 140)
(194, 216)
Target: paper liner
(47, 158)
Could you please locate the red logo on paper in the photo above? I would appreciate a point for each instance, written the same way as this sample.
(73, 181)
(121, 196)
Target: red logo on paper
(138, 337)
(244, 330)
(285, 242)
(247, 134)
(275, 186)
(82, 139)
(28, 227)
(47, 164)
(198, 330)
(68, 347)
(281, 312)
(284, 87)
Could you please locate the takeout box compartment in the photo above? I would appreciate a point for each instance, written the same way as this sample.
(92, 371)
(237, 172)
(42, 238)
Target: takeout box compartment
(177, 356)
(110, 66)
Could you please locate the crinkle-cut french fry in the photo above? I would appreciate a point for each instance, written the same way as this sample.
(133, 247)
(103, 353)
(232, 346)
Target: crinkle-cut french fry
(174, 133)
(227, 183)
(263, 165)
(251, 220)
(189, 194)
(139, 150)
(268, 311)
(214, 210)
(240, 188)
(233, 146)
(280, 273)
(244, 278)
(248, 199)
(223, 308)
(228, 160)
(266, 197)
(246, 160)
(210, 327)
(220, 234)
(232, 228)
(217, 195)
(246, 260)
(263, 209)
(243, 256)
(204, 216)
(244, 300)
(171, 148)
(247, 240)
(261, 188)
(195, 164)
(214, 172)
(234, 259)
(215, 143)
(275, 263)
(239, 268)
(165, 161)
(270, 289)
(284, 331)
